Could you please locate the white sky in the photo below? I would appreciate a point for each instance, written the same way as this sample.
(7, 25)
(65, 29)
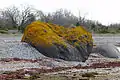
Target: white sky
(105, 11)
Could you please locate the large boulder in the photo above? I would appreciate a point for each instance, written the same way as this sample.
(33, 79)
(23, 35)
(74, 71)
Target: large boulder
(72, 44)
(108, 50)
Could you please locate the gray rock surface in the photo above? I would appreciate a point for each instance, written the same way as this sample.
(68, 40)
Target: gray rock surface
(108, 50)
(68, 53)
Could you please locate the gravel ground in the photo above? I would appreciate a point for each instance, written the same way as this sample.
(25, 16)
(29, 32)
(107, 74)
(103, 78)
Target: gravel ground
(96, 67)
(17, 55)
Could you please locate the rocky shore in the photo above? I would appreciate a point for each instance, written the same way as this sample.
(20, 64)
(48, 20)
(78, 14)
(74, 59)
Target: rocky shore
(97, 67)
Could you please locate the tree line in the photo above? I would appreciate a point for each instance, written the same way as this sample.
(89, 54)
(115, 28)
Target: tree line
(18, 18)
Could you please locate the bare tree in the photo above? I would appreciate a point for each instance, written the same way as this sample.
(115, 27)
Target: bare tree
(11, 15)
(44, 17)
(20, 18)
(26, 17)
(61, 17)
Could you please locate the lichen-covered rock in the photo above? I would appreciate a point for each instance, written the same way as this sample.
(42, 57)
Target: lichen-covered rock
(72, 44)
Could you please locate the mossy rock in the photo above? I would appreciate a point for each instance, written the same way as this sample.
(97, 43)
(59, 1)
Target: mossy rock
(73, 44)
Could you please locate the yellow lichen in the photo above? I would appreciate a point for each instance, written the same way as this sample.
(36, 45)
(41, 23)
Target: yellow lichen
(45, 34)
(38, 33)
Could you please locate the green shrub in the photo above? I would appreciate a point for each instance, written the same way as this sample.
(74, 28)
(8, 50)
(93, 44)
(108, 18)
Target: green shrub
(3, 31)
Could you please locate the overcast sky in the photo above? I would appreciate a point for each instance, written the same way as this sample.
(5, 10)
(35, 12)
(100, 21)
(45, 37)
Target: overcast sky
(105, 11)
